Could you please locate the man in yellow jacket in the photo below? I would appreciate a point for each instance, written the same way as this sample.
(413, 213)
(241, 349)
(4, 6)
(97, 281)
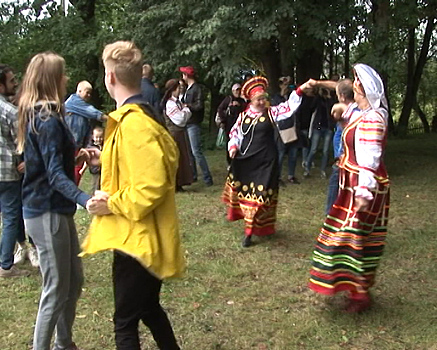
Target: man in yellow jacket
(136, 211)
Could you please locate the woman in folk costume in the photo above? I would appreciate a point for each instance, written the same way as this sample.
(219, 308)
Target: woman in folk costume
(352, 238)
(176, 116)
(251, 190)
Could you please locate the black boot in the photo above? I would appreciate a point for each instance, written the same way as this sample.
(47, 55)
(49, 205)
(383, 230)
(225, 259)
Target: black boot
(247, 241)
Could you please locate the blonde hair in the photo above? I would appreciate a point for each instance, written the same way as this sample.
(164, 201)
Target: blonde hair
(42, 84)
(84, 85)
(125, 60)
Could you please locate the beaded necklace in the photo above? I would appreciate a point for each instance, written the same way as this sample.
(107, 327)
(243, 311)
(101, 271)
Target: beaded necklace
(249, 128)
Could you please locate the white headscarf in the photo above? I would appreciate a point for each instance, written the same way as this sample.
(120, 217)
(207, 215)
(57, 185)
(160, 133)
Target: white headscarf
(372, 84)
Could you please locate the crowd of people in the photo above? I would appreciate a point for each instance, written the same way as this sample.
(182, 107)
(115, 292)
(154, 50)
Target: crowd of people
(47, 144)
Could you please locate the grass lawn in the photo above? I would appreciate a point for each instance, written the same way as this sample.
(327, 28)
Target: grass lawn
(257, 298)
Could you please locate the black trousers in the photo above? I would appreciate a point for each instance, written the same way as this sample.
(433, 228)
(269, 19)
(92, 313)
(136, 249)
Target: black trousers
(136, 294)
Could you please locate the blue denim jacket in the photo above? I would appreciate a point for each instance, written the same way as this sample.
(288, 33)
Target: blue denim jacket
(48, 183)
(336, 140)
(78, 116)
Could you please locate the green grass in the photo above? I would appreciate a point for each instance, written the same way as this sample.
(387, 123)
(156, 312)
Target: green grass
(234, 298)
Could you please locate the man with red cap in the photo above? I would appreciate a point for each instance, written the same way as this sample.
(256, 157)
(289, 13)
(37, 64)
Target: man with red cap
(194, 100)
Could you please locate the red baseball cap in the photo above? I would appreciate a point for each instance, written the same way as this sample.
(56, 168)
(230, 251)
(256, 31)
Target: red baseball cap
(188, 70)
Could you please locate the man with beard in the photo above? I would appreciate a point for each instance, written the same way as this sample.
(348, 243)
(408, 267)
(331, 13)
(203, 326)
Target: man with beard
(11, 168)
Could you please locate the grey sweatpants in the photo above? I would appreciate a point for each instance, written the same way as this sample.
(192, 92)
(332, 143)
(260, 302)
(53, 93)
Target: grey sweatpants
(57, 244)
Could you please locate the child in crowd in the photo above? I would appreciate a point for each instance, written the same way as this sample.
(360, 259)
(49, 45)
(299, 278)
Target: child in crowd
(95, 169)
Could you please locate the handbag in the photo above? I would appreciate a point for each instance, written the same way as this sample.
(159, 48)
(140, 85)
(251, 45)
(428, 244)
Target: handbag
(287, 129)
(221, 140)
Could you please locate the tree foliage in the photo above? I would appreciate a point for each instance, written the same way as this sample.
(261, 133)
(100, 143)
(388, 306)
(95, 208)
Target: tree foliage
(223, 39)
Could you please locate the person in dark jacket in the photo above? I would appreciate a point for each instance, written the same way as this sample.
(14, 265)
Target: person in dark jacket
(149, 92)
(321, 129)
(286, 88)
(194, 100)
(50, 196)
(228, 112)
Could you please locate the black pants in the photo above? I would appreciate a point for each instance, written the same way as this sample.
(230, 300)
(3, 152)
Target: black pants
(136, 294)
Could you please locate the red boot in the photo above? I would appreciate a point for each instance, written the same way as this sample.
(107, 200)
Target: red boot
(358, 302)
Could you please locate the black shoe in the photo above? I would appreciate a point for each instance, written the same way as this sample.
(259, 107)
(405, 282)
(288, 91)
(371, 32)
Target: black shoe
(180, 189)
(247, 241)
(209, 184)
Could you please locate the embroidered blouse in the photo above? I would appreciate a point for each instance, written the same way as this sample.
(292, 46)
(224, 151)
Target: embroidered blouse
(369, 143)
(178, 114)
(282, 111)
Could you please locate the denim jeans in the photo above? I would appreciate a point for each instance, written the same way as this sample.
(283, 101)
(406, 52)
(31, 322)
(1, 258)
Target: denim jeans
(291, 151)
(196, 150)
(332, 188)
(305, 150)
(12, 217)
(325, 135)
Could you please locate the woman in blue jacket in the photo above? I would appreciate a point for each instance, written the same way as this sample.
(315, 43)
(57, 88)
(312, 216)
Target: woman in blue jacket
(50, 196)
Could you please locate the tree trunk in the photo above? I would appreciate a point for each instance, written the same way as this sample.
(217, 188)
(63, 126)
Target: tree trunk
(86, 10)
(331, 63)
(422, 117)
(380, 45)
(409, 97)
(285, 43)
(216, 99)
(271, 61)
(414, 81)
(347, 50)
(310, 63)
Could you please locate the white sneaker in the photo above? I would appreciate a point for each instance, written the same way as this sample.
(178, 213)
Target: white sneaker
(32, 254)
(20, 255)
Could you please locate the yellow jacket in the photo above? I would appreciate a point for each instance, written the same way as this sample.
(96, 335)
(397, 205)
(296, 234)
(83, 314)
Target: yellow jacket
(139, 164)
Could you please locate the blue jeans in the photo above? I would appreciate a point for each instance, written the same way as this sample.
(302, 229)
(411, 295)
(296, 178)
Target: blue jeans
(196, 150)
(332, 188)
(305, 150)
(12, 217)
(325, 135)
(291, 151)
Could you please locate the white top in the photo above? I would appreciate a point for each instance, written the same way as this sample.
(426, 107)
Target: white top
(177, 114)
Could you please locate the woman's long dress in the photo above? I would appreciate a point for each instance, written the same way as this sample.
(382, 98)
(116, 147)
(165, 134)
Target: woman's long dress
(176, 114)
(251, 189)
(350, 244)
